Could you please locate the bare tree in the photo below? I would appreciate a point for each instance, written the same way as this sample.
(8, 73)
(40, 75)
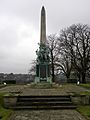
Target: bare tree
(64, 64)
(63, 60)
(76, 40)
(70, 51)
(32, 70)
(52, 44)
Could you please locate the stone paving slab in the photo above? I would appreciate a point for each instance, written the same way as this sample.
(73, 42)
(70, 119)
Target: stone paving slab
(25, 89)
(57, 90)
(47, 115)
(12, 88)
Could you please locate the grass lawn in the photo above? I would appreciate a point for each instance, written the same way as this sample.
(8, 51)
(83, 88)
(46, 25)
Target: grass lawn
(84, 110)
(85, 85)
(4, 113)
(85, 93)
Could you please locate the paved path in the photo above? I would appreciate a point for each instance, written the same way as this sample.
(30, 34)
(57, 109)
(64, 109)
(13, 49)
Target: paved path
(57, 90)
(12, 88)
(47, 115)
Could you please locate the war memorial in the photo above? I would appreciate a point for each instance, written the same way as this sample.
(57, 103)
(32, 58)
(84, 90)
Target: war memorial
(34, 102)
(43, 62)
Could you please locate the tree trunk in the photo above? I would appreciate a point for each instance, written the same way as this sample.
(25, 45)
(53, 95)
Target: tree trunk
(52, 65)
(68, 78)
(79, 76)
(83, 77)
(53, 77)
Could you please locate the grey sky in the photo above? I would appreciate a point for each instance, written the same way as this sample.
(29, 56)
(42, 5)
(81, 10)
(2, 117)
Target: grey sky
(19, 27)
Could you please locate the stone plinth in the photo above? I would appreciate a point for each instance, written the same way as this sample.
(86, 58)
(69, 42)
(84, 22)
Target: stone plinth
(10, 100)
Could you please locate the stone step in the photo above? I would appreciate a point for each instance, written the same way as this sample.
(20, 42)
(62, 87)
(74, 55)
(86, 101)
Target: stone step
(43, 98)
(43, 107)
(50, 103)
(44, 102)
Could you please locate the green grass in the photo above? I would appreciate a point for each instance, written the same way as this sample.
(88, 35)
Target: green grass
(84, 110)
(4, 113)
(1, 99)
(85, 85)
(85, 93)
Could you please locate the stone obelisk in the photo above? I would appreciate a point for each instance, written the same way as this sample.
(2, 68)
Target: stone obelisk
(43, 27)
(43, 61)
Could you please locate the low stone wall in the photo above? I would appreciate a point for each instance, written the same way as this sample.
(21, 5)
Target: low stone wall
(1, 86)
(10, 100)
(81, 99)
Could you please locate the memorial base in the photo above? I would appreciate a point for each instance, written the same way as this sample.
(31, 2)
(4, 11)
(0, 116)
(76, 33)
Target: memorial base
(41, 85)
(47, 80)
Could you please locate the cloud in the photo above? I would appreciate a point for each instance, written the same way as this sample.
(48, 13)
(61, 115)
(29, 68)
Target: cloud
(18, 41)
(20, 27)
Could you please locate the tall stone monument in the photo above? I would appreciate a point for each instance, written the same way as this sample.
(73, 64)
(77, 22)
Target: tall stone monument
(43, 62)
(43, 27)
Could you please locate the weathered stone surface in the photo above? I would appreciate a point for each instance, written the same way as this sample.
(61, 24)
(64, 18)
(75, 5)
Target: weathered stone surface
(10, 101)
(47, 115)
(55, 90)
(85, 100)
(81, 99)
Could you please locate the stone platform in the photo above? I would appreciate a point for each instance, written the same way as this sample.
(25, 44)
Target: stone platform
(45, 114)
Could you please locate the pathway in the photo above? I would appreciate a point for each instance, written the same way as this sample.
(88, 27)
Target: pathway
(47, 115)
(57, 90)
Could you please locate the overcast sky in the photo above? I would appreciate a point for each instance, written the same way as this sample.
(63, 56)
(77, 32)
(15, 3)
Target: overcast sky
(20, 23)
